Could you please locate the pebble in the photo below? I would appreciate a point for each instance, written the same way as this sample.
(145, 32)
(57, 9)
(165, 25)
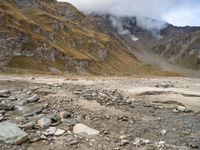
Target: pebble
(43, 137)
(44, 122)
(161, 144)
(33, 99)
(50, 131)
(181, 108)
(140, 141)
(20, 119)
(163, 132)
(28, 126)
(124, 142)
(64, 115)
(59, 132)
(175, 110)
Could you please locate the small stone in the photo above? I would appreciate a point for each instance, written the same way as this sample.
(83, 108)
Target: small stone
(175, 110)
(64, 115)
(128, 101)
(33, 99)
(59, 132)
(140, 141)
(20, 119)
(50, 131)
(124, 137)
(44, 122)
(185, 133)
(181, 108)
(43, 137)
(29, 92)
(83, 130)
(69, 137)
(161, 144)
(32, 78)
(163, 132)
(124, 142)
(28, 126)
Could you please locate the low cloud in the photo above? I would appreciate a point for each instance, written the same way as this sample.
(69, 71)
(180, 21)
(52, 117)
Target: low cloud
(161, 10)
(145, 8)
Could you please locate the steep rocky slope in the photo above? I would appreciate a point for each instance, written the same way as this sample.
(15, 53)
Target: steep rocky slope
(183, 49)
(54, 36)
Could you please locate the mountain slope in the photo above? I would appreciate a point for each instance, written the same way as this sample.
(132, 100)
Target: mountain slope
(183, 50)
(56, 37)
(140, 41)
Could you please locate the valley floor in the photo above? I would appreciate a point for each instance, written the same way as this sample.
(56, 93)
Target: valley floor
(126, 113)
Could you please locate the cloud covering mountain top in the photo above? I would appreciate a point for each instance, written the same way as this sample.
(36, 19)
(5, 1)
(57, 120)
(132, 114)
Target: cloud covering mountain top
(177, 12)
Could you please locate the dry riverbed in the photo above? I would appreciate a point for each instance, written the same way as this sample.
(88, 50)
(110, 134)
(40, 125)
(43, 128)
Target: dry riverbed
(43, 113)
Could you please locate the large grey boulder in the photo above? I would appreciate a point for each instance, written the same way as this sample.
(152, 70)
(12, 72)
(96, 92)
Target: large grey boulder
(83, 130)
(10, 133)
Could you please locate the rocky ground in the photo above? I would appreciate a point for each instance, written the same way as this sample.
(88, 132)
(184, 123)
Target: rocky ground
(44, 113)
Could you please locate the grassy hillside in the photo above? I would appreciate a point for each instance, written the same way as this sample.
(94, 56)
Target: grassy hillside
(48, 34)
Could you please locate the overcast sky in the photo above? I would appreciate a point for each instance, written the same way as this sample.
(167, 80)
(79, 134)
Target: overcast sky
(177, 12)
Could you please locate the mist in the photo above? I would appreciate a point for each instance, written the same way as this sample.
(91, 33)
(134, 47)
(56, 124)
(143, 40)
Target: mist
(161, 10)
(143, 8)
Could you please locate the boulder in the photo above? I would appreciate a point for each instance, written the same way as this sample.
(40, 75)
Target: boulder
(10, 133)
(83, 130)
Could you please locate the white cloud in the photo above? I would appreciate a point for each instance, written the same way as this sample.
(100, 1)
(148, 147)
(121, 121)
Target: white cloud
(145, 8)
(177, 12)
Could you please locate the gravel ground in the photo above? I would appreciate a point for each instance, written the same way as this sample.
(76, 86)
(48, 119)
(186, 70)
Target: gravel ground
(119, 113)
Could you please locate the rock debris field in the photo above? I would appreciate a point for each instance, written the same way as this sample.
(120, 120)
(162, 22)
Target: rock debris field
(46, 113)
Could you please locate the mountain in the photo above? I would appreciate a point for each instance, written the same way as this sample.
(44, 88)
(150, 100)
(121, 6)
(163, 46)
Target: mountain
(51, 36)
(55, 36)
(153, 46)
(183, 50)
